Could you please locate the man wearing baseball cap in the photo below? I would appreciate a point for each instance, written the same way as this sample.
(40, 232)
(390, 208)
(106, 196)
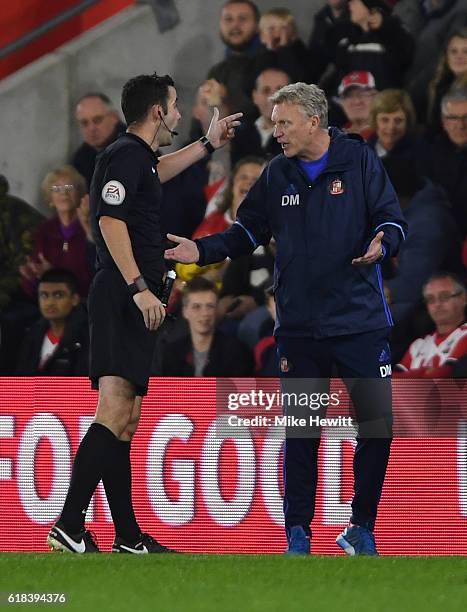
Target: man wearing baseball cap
(356, 92)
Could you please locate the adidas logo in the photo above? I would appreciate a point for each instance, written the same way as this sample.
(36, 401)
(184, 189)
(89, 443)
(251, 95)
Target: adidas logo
(384, 356)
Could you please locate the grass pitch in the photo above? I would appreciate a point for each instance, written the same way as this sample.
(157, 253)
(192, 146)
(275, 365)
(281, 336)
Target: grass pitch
(240, 583)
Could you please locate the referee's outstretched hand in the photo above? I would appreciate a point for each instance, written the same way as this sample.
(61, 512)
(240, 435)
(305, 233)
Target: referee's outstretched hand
(151, 308)
(220, 131)
(185, 252)
(373, 254)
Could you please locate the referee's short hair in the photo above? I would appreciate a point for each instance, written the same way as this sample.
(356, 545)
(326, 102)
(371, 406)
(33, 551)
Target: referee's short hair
(141, 93)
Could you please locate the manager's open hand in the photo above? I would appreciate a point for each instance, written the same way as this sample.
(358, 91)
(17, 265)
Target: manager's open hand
(220, 131)
(151, 307)
(185, 252)
(374, 252)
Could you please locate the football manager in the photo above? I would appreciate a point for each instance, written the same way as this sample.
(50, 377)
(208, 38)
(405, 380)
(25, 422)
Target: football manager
(334, 215)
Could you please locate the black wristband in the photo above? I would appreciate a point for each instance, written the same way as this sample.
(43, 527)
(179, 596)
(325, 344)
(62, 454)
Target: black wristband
(138, 285)
(207, 145)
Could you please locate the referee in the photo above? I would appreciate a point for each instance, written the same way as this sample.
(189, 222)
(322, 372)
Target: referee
(124, 309)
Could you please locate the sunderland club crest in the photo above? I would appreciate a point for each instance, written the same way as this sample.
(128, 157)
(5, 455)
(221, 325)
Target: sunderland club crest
(336, 187)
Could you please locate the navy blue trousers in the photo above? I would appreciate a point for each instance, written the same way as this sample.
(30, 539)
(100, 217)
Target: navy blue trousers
(363, 361)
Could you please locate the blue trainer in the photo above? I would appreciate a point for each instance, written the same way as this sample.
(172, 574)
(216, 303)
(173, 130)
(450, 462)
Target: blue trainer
(299, 541)
(356, 540)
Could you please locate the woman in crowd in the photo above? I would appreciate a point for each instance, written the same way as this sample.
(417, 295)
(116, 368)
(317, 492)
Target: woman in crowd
(451, 72)
(243, 175)
(64, 241)
(392, 116)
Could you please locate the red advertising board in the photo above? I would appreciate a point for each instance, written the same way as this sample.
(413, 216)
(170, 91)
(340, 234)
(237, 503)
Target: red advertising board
(199, 492)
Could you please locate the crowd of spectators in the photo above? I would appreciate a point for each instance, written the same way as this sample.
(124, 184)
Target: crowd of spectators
(395, 73)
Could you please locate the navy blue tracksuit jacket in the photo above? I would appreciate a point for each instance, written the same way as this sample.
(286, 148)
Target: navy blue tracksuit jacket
(319, 228)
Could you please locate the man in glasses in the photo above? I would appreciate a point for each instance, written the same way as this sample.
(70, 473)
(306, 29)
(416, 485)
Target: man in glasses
(445, 297)
(99, 125)
(444, 158)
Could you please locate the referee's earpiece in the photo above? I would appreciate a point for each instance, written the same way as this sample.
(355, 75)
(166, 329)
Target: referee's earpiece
(171, 132)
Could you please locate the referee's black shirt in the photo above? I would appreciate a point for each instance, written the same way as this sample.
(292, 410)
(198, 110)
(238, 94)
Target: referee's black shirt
(126, 186)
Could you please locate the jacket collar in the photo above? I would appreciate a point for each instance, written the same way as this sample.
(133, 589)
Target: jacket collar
(339, 159)
(340, 153)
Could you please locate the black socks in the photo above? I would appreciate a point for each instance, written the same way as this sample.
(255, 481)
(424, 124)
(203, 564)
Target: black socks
(96, 451)
(117, 484)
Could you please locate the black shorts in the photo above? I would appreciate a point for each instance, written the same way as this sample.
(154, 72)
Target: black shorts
(121, 344)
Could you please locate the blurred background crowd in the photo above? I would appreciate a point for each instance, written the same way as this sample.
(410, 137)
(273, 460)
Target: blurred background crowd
(395, 72)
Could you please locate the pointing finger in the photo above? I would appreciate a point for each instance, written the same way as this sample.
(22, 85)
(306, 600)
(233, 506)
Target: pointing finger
(234, 117)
